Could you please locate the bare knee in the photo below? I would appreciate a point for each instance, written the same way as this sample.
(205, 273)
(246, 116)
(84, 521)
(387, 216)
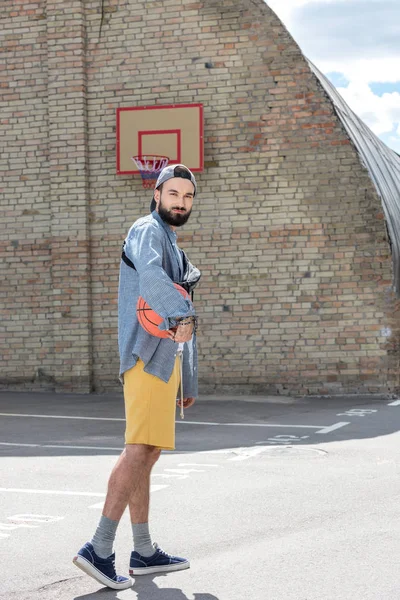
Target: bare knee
(142, 453)
(153, 454)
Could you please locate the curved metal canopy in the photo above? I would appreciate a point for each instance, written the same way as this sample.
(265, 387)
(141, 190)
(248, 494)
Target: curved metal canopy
(382, 163)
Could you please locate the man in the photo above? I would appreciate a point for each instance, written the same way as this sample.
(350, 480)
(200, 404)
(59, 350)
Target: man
(150, 370)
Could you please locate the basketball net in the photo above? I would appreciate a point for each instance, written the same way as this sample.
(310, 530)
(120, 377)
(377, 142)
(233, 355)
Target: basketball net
(150, 167)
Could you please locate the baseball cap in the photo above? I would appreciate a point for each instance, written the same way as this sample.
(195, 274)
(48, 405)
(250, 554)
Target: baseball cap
(169, 172)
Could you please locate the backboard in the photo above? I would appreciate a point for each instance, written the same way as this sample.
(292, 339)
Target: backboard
(175, 131)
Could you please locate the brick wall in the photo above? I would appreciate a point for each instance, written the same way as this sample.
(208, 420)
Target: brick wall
(46, 280)
(287, 228)
(26, 288)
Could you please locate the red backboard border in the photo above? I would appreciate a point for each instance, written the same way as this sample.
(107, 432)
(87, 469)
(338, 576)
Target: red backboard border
(154, 107)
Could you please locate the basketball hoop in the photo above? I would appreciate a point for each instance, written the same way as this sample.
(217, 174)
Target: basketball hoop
(150, 167)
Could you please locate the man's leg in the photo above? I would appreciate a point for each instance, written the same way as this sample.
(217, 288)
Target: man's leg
(158, 424)
(130, 475)
(129, 478)
(139, 510)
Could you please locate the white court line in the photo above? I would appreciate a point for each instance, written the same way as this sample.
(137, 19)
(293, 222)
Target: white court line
(332, 427)
(92, 418)
(60, 446)
(322, 429)
(169, 476)
(274, 425)
(252, 424)
(153, 488)
(185, 471)
(246, 453)
(200, 423)
(52, 492)
(178, 422)
(196, 465)
(60, 417)
(395, 403)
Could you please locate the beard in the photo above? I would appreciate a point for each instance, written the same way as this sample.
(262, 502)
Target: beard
(174, 219)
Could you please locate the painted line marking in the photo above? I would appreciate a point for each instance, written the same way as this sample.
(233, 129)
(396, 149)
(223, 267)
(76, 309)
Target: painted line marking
(26, 521)
(13, 526)
(395, 403)
(153, 488)
(185, 471)
(199, 423)
(288, 425)
(333, 427)
(275, 425)
(29, 518)
(357, 412)
(285, 439)
(60, 446)
(52, 492)
(169, 476)
(19, 445)
(60, 417)
(196, 465)
(246, 453)
(93, 418)
(321, 429)
(156, 487)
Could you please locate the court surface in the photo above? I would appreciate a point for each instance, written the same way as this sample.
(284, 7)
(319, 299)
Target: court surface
(270, 498)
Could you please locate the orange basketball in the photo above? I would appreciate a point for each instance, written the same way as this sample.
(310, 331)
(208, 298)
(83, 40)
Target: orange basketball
(149, 319)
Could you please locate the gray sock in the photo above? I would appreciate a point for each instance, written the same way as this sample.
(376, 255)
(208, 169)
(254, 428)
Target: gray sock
(104, 537)
(141, 539)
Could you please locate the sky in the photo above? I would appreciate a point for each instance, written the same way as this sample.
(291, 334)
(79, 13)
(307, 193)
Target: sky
(356, 44)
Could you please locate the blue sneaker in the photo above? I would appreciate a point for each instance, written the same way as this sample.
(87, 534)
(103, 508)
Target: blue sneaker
(159, 562)
(101, 569)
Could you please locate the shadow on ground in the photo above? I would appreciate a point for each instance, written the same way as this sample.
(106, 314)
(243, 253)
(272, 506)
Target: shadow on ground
(147, 589)
(46, 424)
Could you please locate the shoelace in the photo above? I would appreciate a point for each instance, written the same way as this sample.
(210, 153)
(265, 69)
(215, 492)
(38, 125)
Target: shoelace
(162, 552)
(115, 571)
(180, 354)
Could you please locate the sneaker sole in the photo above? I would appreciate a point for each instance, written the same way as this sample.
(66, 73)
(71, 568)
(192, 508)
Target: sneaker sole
(160, 569)
(90, 570)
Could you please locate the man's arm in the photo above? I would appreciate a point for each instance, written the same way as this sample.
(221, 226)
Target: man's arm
(144, 248)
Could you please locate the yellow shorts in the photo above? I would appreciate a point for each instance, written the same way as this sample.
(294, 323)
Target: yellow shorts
(150, 407)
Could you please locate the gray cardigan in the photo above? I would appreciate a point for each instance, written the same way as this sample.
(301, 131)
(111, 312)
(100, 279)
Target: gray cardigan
(152, 247)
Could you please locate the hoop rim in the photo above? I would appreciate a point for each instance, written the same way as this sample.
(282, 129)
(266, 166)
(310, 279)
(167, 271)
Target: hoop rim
(148, 162)
(150, 167)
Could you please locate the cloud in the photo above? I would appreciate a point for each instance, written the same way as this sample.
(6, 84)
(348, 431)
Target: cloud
(337, 79)
(355, 43)
(380, 113)
(285, 8)
(384, 88)
(358, 38)
(355, 30)
(383, 70)
(392, 140)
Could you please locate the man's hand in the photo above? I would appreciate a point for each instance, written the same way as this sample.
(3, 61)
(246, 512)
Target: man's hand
(187, 402)
(183, 331)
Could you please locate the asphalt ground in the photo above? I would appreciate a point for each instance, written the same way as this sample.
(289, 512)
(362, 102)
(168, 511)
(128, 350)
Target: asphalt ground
(270, 498)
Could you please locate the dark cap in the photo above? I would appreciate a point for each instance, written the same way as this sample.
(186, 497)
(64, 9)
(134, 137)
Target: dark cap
(169, 172)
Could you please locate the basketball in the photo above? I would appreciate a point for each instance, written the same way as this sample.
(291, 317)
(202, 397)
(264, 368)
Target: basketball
(149, 319)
